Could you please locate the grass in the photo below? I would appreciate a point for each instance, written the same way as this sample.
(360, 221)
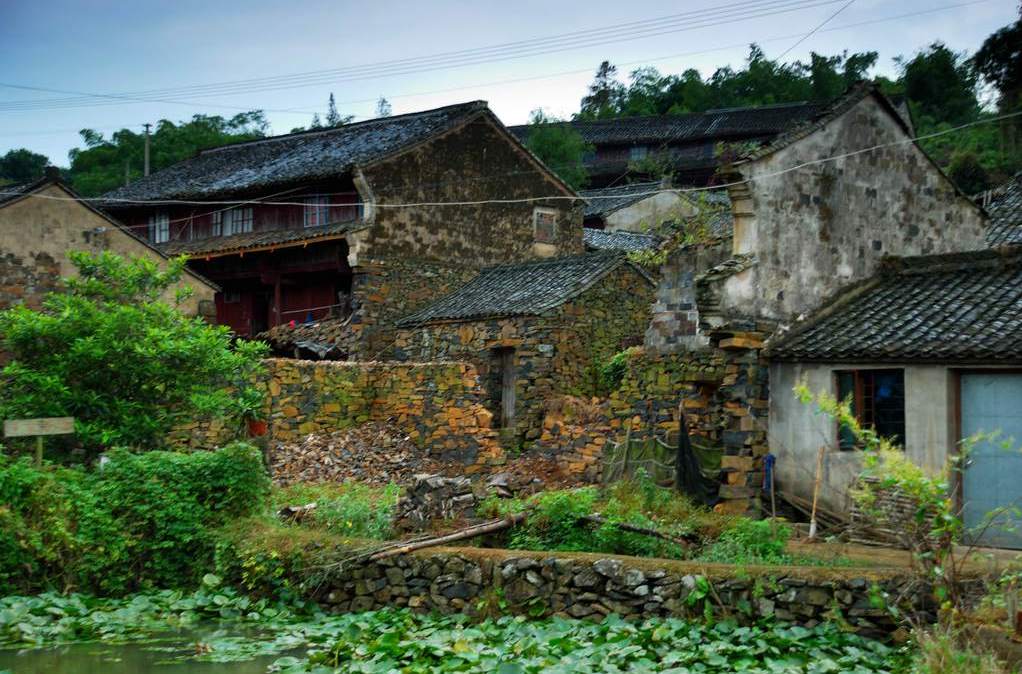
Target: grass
(350, 509)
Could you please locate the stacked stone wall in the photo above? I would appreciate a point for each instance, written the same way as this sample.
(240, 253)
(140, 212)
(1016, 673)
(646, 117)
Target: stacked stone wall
(578, 585)
(439, 405)
(27, 279)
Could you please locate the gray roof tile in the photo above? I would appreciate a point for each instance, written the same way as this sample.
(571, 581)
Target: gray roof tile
(1005, 209)
(524, 289)
(964, 307)
(599, 239)
(305, 156)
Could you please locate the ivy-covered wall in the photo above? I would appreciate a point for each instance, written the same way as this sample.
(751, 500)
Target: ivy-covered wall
(558, 352)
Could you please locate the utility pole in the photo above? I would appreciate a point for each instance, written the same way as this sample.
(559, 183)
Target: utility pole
(145, 170)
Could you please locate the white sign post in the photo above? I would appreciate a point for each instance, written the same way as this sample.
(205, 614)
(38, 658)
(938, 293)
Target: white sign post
(22, 428)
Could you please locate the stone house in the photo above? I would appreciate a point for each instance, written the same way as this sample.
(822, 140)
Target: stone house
(354, 227)
(812, 211)
(41, 221)
(929, 351)
(535, 330)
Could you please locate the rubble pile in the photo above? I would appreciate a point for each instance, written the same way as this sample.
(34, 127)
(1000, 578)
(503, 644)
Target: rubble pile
(372, 453)
(434, 497)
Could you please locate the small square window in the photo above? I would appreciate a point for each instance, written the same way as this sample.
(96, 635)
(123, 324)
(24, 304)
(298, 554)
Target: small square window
(878, 402)
(544, 223)
(159, 228)
(317, 211)
(232, 297)
(235, 221)
(637, 152)
(217, 226)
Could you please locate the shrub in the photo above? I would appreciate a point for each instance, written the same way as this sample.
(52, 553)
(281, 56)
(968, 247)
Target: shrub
(109, 352)
(353, 510)
(751, 542)
(147, 520)
(613, 371)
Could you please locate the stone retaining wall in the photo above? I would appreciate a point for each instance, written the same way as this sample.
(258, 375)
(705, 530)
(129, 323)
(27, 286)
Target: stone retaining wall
(439, 405)
(579, 585)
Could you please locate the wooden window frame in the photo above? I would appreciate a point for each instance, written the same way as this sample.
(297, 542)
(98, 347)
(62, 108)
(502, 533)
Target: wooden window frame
(861, 402)
(316, 211)
(537, 233)
(159, 227)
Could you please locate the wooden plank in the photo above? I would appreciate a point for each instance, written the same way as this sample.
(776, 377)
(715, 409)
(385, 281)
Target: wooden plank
(20, 428)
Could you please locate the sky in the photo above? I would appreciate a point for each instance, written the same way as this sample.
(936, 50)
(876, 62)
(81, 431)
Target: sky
(123, 49)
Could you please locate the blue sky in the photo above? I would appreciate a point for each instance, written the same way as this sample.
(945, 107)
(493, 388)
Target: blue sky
(98, 46)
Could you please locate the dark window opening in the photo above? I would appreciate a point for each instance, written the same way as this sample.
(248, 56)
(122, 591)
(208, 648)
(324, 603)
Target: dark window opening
(878, 402)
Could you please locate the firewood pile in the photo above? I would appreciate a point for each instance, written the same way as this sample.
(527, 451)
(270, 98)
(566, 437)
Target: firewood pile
(371, 453)
(434, 497)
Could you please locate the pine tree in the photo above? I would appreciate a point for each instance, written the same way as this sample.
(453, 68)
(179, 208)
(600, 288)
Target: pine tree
(332, 118)
(383, 108)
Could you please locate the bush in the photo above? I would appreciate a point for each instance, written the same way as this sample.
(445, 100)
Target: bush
(109, 352)
(751, 542)
(353, 510)
(147, 520)
(613, 371)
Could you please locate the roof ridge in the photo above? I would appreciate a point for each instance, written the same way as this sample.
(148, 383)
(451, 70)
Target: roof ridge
(554, 261)
(477, 104)
(686, 115)
(1004, 256)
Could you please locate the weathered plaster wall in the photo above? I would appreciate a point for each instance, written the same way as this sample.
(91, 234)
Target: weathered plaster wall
(472, 163)
(555, 353)
(439, 405)
(797, 431)
(649, 213)
(37, 233)
(825, 225)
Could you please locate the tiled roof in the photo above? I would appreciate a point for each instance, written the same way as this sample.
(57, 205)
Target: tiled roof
(328, 337)
(599, 239)
(304, 156)
(11, 192)
(1005, 209)
(220, 245)
(604, 201)
(764, 120)
(524, 289)
(945, 308)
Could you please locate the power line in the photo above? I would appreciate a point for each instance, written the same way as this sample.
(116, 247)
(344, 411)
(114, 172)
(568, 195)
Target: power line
(547, 198)
(818, 27)
(710, 19)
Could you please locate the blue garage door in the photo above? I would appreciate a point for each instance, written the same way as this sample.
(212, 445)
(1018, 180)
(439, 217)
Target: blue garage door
(993, 476)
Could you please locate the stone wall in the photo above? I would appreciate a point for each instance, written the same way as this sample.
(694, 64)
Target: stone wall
(558, 352)
(439, 405)
(26, 280)
(579, 585)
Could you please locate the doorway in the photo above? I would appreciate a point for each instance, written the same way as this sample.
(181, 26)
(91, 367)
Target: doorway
(503, 359)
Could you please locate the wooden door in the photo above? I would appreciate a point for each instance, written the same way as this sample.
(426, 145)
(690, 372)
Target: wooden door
(506, 358)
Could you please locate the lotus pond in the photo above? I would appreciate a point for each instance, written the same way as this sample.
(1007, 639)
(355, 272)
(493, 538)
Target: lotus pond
(217, 631)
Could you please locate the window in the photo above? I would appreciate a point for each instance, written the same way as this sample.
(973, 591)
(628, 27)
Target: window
(544, 222)
(317, 211)
(159, 228)
(878, 402)
(637, 152)
(234, 221)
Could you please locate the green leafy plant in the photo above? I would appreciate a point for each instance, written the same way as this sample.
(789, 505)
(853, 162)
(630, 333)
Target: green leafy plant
(144, 520)
(353, 510)
(613, 371)
(749, 541)
(111, 353)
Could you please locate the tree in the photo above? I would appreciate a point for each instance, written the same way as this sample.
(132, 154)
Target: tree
(968, 173)
(941, 85)
(22, 166)
(560, 147)
(605, 94)
(999, 62)
(109, 352)
(383, 108)
(99, 167)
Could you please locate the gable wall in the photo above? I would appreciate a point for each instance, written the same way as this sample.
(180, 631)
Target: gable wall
(472, 163)
(821, 227)
(649, 213)
(36, 235)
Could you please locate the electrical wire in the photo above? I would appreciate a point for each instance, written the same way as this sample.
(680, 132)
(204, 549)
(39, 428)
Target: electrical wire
(531, 199)
(815, 29)
(730, 14)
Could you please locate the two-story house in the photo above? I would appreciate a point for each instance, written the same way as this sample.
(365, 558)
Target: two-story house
(355, 226)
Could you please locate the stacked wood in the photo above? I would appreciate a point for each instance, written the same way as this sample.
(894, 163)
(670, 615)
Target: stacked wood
(434, 497)
(889, 520)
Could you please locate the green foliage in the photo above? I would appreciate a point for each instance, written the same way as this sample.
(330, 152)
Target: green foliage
(941, 84)
(999, 62)
(613, 371)
(143, 520)
(968, 173)
(49, 619)
(22, 166)
(391, 641)
(353, 510)
(751, 542)
(560, 147)
(99, 167)
(126, 364)
(944, 651)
